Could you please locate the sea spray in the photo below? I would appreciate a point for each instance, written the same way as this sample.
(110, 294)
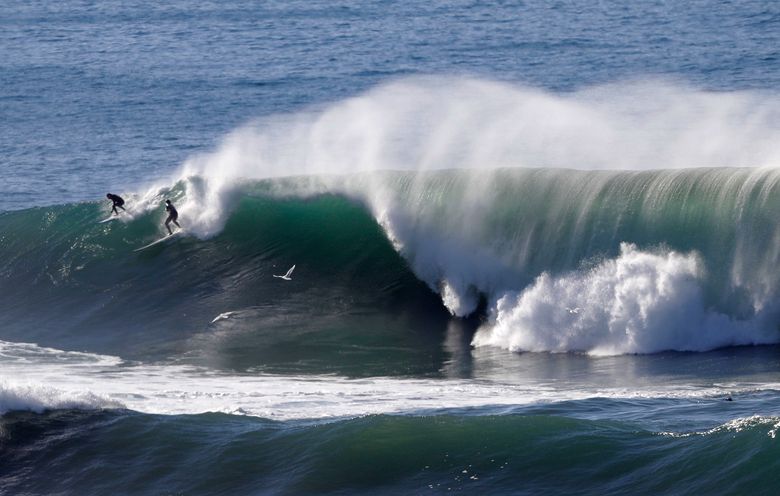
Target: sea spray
(40, 379)
(427, 123)
(39, 398)
(637, 303)
(481, 187)
(367, 240)
(466, 232)
(479, 230)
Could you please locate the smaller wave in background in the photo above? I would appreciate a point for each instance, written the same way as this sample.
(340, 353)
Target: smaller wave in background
(382, 454)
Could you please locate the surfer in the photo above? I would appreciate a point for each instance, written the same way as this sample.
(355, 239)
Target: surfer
(173, 214)
(118, 202)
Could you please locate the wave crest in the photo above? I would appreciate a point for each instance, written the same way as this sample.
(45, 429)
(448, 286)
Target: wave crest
(39, 398)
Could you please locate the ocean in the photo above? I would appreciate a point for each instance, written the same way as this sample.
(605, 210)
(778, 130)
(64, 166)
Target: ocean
(534, 248)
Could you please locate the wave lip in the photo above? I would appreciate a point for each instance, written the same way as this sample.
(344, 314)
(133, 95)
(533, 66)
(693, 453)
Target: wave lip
(59, 368)
(39, 398)
(479, 186)
(438, 122)
(695, 270)
(737, 425)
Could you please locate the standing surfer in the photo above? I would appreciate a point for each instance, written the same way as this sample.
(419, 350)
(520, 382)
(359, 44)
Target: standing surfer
(118, 202)
(173, 214)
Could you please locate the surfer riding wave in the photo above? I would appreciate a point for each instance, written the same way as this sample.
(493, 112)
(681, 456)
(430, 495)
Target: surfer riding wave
(173, 215)
(117, 200)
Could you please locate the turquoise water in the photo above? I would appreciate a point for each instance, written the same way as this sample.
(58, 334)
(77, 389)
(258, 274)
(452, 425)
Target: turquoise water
(534, 248)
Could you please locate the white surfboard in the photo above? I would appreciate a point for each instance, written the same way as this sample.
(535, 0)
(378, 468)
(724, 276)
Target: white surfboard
(161, 240)
(122, 213)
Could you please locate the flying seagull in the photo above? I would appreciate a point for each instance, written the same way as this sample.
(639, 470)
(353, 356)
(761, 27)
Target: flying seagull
(221, 316)
(287, 277)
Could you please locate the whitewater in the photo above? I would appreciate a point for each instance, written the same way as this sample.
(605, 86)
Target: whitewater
(646, 206)
(73, 380)
(619, 219)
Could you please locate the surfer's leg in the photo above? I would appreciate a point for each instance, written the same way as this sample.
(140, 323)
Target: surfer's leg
(114, 210)
(177, 223)
(167, 224)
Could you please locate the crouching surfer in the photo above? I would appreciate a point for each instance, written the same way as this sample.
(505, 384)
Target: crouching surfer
(173, 214)
(118, 202)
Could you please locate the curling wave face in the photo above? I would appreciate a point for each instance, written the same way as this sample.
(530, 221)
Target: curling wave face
(595, 261)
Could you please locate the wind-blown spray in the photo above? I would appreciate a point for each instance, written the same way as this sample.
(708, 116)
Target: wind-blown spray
(491, 190)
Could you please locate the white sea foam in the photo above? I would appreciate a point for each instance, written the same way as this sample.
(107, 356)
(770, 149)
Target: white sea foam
(735, 426)
(174, 389)
(426, 123)
(20, 389)
(640, 302)
(422, 124)
(37, 397)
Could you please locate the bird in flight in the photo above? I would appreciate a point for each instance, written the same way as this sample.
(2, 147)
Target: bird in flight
(222, 316)
(287, 277)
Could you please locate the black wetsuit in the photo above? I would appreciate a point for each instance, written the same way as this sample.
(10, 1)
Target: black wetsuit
(118, 202)
(173, 214)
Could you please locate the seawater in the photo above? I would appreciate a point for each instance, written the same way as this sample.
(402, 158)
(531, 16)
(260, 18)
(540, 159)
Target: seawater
(534, 245)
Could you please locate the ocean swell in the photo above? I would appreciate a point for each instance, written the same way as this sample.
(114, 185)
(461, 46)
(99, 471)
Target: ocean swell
(655, 260)
(475, 191)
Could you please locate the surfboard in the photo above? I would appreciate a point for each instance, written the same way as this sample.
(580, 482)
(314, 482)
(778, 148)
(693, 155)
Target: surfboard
(122, 213)
(161, 240)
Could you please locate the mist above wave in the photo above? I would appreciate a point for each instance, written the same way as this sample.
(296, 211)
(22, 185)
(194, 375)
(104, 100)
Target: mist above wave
(426, 123)
(475, 234)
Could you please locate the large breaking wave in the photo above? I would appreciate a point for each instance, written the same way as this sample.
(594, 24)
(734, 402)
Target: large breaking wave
(596, 261)
(416, 195)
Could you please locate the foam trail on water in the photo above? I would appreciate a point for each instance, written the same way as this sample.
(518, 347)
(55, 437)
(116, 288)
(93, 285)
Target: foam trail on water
(29, 394)
(95, 382)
